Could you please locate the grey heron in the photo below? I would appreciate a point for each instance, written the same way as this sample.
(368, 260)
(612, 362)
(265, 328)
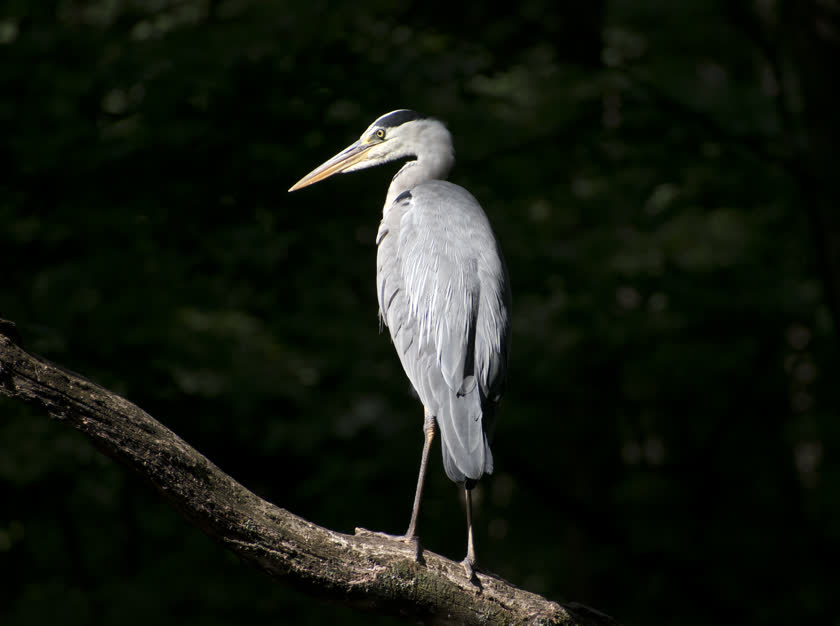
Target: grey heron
(443, 293)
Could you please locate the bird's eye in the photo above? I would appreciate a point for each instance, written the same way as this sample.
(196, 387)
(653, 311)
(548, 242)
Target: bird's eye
(380, 133)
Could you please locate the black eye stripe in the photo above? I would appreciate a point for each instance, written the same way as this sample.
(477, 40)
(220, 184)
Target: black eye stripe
(399, 117)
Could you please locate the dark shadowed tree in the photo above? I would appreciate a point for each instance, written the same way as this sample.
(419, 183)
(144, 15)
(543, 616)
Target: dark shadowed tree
(660, 177)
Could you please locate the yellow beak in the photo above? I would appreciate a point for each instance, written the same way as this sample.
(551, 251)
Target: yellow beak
(340, 162)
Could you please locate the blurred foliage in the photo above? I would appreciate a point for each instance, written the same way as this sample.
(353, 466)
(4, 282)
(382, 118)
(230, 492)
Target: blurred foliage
(667, 451)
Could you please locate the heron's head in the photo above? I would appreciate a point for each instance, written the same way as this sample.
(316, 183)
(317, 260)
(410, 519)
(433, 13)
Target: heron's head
(396, 135)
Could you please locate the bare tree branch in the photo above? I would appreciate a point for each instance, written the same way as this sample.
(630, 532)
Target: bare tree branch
(365, 570)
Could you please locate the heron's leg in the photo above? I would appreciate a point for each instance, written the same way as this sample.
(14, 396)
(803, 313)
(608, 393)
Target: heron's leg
(429, 428)
(469, 560)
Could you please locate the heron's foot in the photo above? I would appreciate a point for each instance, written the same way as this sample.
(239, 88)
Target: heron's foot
(412, 540)
(469, 569)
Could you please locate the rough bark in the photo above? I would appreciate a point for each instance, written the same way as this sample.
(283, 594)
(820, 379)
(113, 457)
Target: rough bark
(365, 570)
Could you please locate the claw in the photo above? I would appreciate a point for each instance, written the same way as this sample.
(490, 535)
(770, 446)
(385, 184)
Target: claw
(468, 568)
(413, 540)
(418, 549)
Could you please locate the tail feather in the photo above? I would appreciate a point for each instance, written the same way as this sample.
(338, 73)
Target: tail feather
(464, 442)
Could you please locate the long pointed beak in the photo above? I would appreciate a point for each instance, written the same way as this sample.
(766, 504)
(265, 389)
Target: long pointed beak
(340, 162)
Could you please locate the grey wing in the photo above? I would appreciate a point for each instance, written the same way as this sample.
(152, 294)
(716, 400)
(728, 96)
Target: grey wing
(444, 295)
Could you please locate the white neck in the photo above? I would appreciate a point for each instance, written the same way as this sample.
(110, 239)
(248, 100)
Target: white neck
(432, 163)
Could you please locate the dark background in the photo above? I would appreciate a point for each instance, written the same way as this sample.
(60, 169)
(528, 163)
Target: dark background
(662, 178)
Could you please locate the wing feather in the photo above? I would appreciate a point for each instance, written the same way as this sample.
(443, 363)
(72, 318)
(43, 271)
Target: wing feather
(444, 295)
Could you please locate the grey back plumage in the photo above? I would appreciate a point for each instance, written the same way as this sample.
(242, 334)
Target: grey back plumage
(444, 295)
